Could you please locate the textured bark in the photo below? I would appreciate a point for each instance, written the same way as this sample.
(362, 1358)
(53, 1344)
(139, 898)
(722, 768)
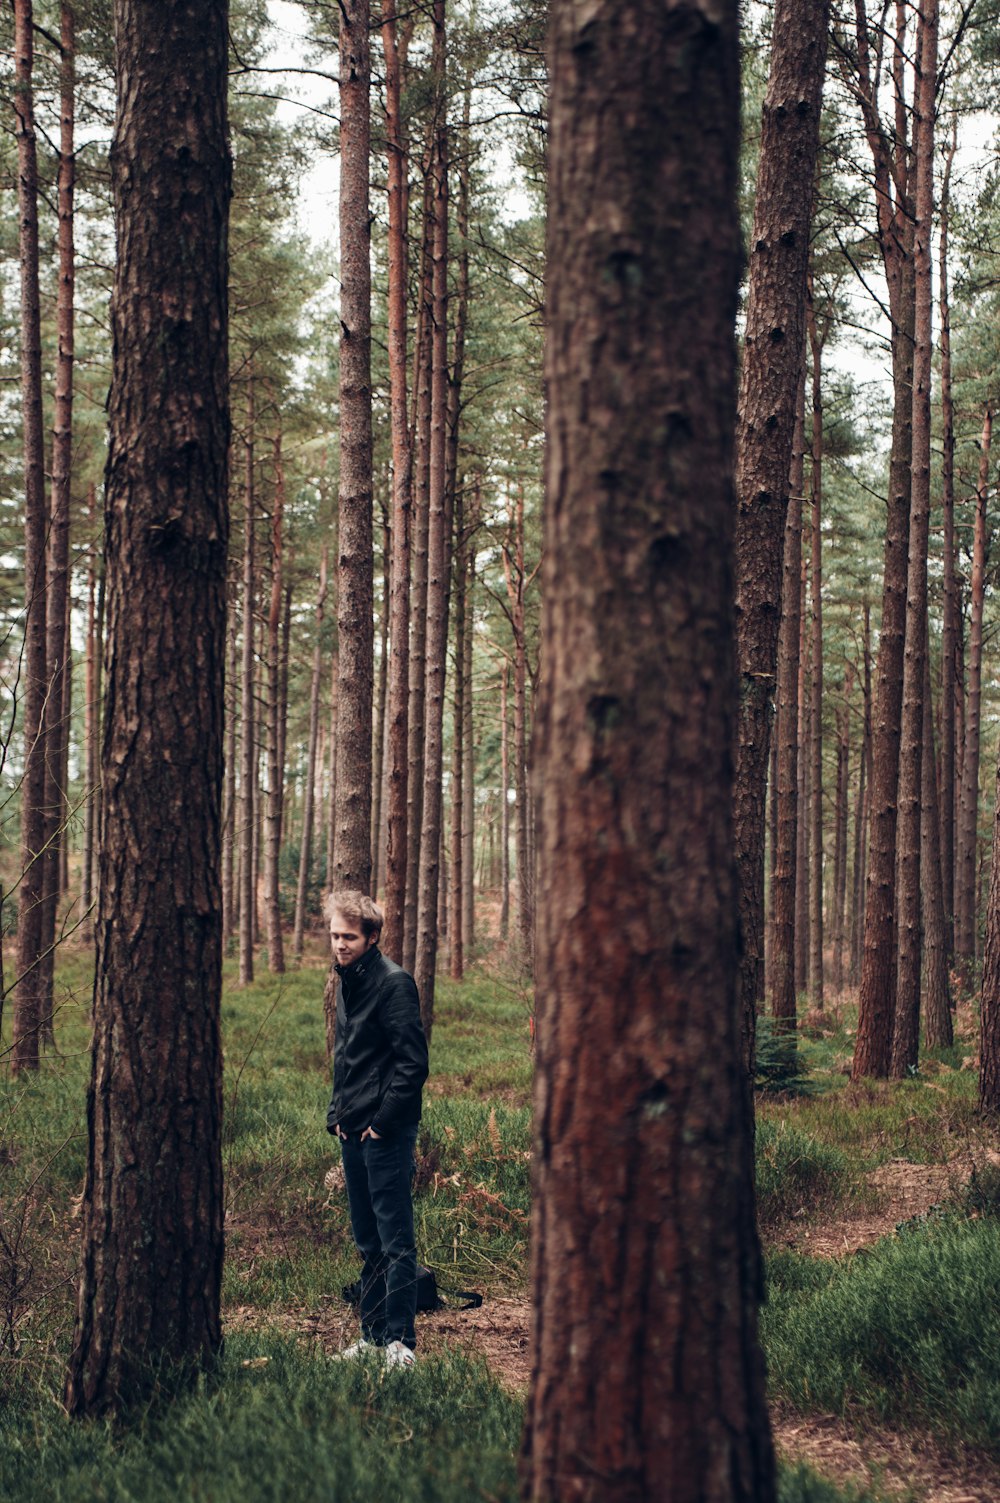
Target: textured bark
(91, 720)
(514, 574)
(965, 860)
(769, 382)
(418, 602)
(840, 829)
(647, 1381)
(397, 730)
(468, 781)
(816, 341)
(438, 567)
(309, 793)
(888, 146)
(379, 727)
(28, 998)
(906, 1033)
(152, 1205)
(355, 630)
(938, 1032)
(504, 801)
(861, 808)
(949, 630)
(248, 717)
(456, 952)
(787, 737)
(989, 1020)
(802, 828)
(58, 662)
(230, 895)
(275, 767)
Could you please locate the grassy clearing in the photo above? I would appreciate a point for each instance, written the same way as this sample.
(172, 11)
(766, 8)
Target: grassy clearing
(905, 1334)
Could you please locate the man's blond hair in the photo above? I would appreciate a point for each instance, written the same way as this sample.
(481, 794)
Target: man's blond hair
(357, 906)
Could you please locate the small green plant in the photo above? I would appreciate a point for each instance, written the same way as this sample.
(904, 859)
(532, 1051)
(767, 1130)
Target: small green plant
(779, 1065)
(796, 1174)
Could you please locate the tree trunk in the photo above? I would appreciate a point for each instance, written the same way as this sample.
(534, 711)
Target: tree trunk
(402, 508)
(275, 767)
(989, 1021)
(840, 829)
(514, 574)
(468, 780)
(906, 1036)
(438, 564)
(802, 829)
(787, 738)
(152, 1204)
(643, 1223)
(816, 676)
(949, 633)
(877, 999)
(938, 1033)
(248, 718)
(965, 879)
(57, 667)
(91, 719)
(504, 802)
(230, 895)
(769, 385)
(456, 952)
(861, 808)
(378, 728)
(309, 793)
(29, 1002)
(355, 590)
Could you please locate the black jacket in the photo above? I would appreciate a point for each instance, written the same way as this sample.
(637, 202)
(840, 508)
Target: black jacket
(380, 1053)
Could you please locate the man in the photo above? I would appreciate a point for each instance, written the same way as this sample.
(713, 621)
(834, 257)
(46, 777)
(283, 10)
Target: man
(379, 1068)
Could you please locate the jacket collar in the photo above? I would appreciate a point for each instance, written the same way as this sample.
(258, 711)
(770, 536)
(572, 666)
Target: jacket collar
(359, 967)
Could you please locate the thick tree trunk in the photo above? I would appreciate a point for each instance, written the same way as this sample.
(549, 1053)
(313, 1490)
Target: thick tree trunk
(152, 1205)
(965, 878)
(906, 1035)
(29, 1004)
(248, 717)
(787, 738)
(275, 767)
(643, 1232)
(402, 508)
(779, 249)
(949, 631)
(355, 633)
(438, 565)
(309, 793)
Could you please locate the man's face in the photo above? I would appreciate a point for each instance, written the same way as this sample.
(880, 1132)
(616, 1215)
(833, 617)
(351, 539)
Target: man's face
(349, 943)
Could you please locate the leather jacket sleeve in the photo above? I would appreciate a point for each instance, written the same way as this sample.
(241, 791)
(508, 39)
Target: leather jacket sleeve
(399, 1015)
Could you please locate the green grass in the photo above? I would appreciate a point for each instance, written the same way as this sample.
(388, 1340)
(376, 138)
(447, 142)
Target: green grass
(797, 1174)
(907, 1333)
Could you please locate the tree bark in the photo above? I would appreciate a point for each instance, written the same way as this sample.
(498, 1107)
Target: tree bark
(877, 999)
(275, 766)
(28, 996)
(152, 1204)
(906, 1035)
(355, 590)
(438, 560)
(230, 895)
(802, 828)
(504, 801)
(379, 727)
(468, 780)
(643, 1224)
(309, 793)
(989, 1020)
(91, 719)
(949, 631)
(402, 507)
(840, 829)
(965, 879)
(248, 718)
(787, 737)
(938, 1032)
(816, 678)
(769, 385)
(861, 808)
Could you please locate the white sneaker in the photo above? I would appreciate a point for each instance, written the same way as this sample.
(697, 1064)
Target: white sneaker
(397, 1354)
(356, 1349)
